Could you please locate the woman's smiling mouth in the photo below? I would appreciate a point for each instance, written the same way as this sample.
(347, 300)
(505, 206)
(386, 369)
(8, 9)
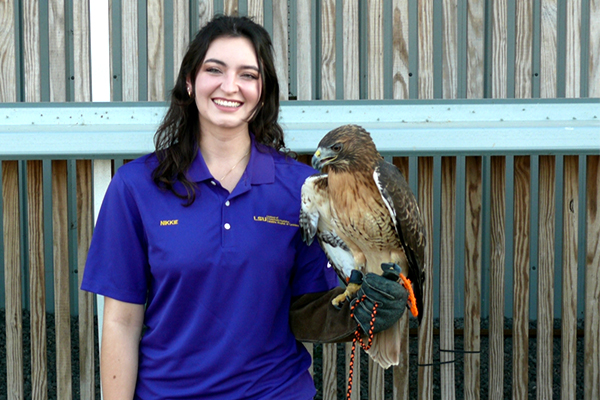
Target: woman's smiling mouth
(227, 103)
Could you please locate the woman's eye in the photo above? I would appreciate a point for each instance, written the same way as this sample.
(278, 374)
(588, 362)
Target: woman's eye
(212, 70)
(249, 76)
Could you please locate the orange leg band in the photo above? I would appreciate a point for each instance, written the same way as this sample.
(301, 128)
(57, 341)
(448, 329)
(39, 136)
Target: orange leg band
(411, 295)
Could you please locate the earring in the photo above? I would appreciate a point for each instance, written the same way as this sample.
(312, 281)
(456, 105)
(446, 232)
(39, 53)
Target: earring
(189, 90)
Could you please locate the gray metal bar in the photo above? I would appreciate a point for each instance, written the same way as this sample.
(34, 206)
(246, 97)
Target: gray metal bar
(561, 50)
(2, 266)
(117, 51)
(510, 51)
(142, 50)
(585, 47)
(413, 50)
(72, 235)
(536, 44)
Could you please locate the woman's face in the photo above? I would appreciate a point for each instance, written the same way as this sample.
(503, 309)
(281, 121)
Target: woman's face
(228, 84)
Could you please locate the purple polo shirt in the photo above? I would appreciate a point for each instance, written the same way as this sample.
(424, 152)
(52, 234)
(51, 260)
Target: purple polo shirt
(216, 277)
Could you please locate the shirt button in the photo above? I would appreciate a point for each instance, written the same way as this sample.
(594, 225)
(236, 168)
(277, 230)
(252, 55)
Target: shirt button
(227, 226)
(227, 203)
(214, 183)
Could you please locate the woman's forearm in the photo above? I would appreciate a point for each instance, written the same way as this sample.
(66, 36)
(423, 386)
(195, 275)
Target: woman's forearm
(119, 352)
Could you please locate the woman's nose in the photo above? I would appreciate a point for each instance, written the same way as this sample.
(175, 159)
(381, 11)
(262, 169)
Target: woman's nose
(229, 83)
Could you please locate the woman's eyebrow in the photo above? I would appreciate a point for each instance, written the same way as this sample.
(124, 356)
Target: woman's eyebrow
(216, 61)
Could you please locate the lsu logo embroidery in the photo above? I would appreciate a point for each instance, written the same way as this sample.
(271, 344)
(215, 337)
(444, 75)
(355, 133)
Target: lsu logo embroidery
(169, 222)
(270, 219)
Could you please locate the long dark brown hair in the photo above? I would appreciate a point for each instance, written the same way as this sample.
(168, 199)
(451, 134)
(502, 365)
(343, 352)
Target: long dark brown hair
(177, 138)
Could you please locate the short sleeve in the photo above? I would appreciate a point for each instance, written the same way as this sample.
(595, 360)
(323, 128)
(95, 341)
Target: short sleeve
(117, 262)
(312, 272)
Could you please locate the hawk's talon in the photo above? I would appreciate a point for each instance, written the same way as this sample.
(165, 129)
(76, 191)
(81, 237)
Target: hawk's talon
(350, 291)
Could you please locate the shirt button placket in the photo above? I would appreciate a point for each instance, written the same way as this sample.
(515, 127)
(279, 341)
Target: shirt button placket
(226, 226)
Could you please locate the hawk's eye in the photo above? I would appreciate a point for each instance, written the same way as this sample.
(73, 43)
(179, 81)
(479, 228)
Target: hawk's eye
(336, 147)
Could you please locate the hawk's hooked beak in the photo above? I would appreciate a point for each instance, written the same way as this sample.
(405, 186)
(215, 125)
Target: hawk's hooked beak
(322, 157)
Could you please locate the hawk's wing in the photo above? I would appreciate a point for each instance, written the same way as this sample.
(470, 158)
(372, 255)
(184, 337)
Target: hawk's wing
(315, 221)
(405, 213)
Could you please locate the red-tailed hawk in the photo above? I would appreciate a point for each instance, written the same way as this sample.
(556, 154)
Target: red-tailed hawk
(364, 214)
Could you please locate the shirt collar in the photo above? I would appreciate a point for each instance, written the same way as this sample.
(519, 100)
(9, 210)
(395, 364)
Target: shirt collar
(260, 169)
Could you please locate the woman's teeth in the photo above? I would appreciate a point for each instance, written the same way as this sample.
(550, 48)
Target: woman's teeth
(226, 103)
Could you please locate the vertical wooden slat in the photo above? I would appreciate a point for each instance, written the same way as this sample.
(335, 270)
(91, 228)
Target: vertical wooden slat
(81, 50)
(499, 48)
(545, 322)
(351, 54)
(328, 44)
(473, 234)
(426, 49)
(181, 33)
(573, 49)
(375, 49)
(497, 251)
(304, 50)
(280, 46)
(400, 49)
(450, 80)
(156, 50)
(31, 50)
(205, 12)
(475, 49)
(37, 288)
(329, 371)
(130, 51)
(8, 72)
(569, 278)
(230, 7)
(62, 308)
(448, 222)
(56, 41)
(592, 283)
(594, 50)
(376, 381)
(255, 11)
(548, 49)
(521, 277)
(12, 280)
(426, 327)
(85, 221)
(523, 48)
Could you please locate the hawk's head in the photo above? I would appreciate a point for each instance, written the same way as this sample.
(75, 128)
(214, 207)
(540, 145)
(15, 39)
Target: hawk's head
(347, 148)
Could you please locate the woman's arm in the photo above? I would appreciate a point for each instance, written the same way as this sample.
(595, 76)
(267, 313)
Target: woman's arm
(121, 332)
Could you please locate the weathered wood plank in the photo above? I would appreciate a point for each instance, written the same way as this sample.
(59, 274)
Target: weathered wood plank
(85, 224)
(375, 49)
(523, 48)
(8, 72)
(569, 278)
(498, 254)
(426, 81)
(256, 11)
(499, 48)
(12, 280)
(447, 239)
(156, 50)
(31, 51)
(129, 51)
(328, 56)
(472, 285)
(351, 53)
(449, 71)
(37, 288)
(205, 12)
(304, 49)
(425, 196)
(181, 33)
(592, 283)
(329, 371)
(545, 320)
(522, 212)
(62, 309)
(475, 49)
(400, 49)
(594, 50)
(548, 54)
(230, 7)
(376, 381)
(573, 49)
(81, 50)
(401, 374)
(56, 50)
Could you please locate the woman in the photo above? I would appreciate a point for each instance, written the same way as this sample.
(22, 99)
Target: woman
(197, 249)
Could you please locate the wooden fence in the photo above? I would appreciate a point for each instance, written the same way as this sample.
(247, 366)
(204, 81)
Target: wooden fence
(513, 231)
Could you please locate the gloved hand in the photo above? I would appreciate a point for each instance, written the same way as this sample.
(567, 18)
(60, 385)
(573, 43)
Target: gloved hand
(384, 290)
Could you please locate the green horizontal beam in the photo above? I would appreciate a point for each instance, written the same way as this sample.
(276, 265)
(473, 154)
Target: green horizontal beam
(460, 127)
